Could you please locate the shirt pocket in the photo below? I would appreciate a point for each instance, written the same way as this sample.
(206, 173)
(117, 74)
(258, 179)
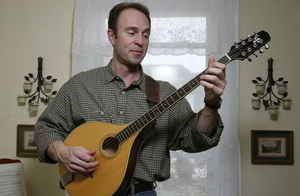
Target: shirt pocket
(98, 116)
(92, 116)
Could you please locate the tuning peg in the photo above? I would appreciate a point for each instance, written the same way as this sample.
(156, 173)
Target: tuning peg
(249, 38)
(267, 46)
(249, 59)
(261, 50)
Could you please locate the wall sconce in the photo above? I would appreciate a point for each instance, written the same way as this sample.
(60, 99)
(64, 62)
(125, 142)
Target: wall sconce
(269, 83)
(44, 85)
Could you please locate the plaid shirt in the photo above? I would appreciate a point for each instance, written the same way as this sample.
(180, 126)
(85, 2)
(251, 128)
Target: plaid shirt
(100, 95)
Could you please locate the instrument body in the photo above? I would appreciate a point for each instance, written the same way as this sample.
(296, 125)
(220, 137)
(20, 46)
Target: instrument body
(115, 164)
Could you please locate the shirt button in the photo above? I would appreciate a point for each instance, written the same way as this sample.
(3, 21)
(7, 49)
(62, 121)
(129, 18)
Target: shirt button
(117, 78)
(102, 113)
(121, 112)
(123, 92)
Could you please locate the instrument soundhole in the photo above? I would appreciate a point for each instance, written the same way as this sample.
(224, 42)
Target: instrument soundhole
(110, 146)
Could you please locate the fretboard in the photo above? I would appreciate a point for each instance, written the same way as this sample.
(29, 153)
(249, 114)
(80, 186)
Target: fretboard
(163, 106)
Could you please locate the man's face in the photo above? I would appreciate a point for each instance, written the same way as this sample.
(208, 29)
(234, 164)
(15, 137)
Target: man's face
(131, 44)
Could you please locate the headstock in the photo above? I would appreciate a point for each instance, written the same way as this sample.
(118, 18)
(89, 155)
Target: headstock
(246, 47)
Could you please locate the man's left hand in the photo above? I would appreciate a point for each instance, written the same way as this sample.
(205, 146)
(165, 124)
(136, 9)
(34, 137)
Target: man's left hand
(214, 81)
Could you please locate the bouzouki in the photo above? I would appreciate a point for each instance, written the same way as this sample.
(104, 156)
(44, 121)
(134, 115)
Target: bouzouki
(118, 146)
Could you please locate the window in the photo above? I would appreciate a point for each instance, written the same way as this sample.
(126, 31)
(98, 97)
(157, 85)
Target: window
(177, 70)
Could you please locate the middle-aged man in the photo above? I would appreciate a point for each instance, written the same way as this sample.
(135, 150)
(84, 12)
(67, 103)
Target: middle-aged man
(116, 94)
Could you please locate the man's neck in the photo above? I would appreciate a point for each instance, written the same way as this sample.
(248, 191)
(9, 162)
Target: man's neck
(128, 73)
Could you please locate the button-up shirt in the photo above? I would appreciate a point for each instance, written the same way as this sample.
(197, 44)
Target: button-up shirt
(100, 95)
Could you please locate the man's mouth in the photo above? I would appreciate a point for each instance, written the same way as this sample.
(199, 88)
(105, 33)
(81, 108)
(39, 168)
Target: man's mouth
(137, 52)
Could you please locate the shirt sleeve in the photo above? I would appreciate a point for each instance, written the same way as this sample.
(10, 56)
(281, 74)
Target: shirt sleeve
(185, 133)
(54, 124)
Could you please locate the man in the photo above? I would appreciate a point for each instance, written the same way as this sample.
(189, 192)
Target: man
(116, 94)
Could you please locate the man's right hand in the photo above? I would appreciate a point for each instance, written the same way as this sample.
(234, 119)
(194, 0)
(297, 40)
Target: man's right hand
(76, 159)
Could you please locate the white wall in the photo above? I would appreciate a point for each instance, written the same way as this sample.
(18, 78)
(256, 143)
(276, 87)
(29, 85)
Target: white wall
(33, 28)
(29, 29)
(281, 18)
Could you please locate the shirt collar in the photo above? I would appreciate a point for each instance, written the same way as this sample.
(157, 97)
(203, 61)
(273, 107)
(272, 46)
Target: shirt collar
(111, 76)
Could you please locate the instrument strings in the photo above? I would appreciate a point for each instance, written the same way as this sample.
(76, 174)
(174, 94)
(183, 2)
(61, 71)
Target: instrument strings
(113, 141)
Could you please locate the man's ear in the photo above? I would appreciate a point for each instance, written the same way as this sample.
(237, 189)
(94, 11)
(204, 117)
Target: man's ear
(111, 36)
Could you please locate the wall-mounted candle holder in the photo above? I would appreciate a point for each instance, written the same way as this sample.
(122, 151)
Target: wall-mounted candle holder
(44, 86)
(264, 92)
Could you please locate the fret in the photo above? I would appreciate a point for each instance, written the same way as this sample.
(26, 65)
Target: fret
(155, 111)
(171, 101)
(175, 96)
(197, 78)
(221, 59)
(133, 130)
(187, 88)
(160, 107)
(144, 119)
(134, 127)
(181, 92)
(194, 83)
(151, 114)
(125, 133)
(121, 136)
(129, 131)
(148, 117)
(224, 59)
(118, 138)
(142, 122)
(165, 104)
(137, 124)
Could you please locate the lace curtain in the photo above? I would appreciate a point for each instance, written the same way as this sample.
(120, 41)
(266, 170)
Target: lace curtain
(183, 34)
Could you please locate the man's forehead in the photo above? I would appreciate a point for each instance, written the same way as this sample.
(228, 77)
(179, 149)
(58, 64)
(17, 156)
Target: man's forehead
(131, 14)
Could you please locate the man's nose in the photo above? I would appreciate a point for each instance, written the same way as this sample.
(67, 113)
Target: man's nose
(139, 40)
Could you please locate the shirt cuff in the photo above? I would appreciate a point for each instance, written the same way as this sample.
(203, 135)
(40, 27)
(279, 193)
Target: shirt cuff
(212, 140)
(43, 144)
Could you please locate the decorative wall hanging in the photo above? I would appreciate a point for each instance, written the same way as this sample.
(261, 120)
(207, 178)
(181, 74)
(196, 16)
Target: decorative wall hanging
(44, 86)
(266, 96)
(272, 147)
